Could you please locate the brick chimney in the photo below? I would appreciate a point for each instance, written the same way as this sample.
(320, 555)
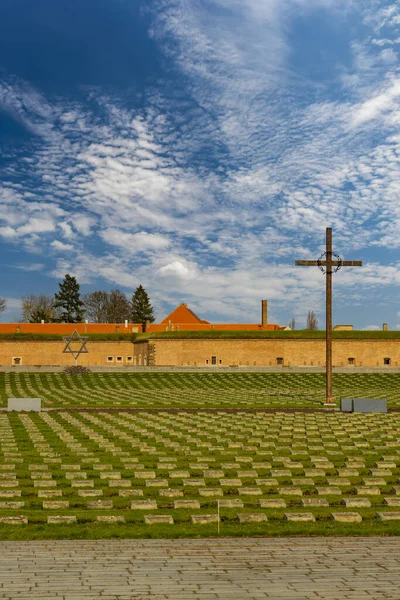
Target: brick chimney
(264, 312)
(385, 327)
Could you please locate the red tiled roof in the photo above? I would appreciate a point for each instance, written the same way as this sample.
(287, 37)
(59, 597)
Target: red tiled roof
(183, 314)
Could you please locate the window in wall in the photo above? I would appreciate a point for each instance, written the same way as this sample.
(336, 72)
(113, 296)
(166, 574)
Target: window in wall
(220, 361)
(129, 359)
(17, 361)
(213, 360)
(206, 361)
(279, 361)
(119, 358)
(387, 361)
(110, 359)
(351, 361)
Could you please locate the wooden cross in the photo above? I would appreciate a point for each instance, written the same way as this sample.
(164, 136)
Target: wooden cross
(329, 263)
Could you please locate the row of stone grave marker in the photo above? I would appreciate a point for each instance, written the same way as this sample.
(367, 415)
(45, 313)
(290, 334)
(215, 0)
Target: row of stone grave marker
(262, 482)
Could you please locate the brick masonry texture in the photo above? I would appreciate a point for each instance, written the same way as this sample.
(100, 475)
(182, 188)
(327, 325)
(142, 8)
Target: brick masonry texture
(266, 352)
(195, 353)
(51, 353)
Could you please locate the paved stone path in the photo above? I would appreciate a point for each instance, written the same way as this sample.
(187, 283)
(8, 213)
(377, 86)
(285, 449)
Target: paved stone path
(234, 569)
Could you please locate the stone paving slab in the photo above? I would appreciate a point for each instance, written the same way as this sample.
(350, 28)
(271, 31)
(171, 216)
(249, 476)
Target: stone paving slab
(246, 569)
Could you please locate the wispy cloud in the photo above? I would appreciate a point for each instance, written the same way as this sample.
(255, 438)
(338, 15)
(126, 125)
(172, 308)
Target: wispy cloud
(212, 186)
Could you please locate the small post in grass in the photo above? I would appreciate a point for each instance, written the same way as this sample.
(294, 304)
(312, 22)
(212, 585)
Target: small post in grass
(329, 262)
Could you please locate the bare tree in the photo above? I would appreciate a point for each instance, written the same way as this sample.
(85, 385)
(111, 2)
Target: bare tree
(38, 308)
(3, 304)
(292, 323)
(119, 309)
(312, 321)
(95, 306)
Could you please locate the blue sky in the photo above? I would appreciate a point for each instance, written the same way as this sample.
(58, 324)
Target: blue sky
(200, 147)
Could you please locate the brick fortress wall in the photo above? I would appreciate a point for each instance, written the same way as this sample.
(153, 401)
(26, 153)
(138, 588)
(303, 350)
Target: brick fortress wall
(48, 353)
(266, 352)
(195, 352)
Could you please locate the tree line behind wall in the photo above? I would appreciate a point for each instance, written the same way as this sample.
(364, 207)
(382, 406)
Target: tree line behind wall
(69, 306)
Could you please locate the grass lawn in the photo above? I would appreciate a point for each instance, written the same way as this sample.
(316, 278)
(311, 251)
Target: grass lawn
(260, 334)
(196, 390)
(87, 475)
(72, 474)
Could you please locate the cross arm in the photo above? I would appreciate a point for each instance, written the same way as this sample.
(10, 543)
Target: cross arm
(334, 263)
(351, 263)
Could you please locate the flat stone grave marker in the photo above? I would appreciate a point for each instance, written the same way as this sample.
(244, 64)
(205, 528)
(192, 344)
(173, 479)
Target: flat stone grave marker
(363, 405)
(24, 404)
(347, 517)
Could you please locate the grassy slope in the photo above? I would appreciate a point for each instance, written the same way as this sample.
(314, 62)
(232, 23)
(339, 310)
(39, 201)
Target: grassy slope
(48, 337)
(300, 334)
(228, 334)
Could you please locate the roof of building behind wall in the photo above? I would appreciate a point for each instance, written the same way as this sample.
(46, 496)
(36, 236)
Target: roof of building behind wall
(183, 314)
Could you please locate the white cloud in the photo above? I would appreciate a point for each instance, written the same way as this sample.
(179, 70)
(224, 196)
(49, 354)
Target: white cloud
(177, 270)
(31, 267)
(135, 242)
(61, 247)
(214, 189)
(378, 105)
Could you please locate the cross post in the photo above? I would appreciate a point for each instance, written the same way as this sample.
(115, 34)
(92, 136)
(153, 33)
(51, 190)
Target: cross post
(329, 263)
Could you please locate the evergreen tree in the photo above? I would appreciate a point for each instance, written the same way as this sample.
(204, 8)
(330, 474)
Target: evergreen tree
(142, 310)
(38, 316)
(68, 300)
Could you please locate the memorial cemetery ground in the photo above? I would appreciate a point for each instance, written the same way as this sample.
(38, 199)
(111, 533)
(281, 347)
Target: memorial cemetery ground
(96, 473)
(195, 390)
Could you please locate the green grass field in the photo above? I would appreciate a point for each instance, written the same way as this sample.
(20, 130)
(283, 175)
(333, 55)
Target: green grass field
(196, 390)
(72, 474)
(66, 474)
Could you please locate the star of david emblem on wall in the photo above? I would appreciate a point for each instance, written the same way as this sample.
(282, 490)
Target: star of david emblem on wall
(75, 339)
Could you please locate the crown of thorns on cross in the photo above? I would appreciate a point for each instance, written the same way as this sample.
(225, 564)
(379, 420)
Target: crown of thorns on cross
(321, 262)
(75, 338)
